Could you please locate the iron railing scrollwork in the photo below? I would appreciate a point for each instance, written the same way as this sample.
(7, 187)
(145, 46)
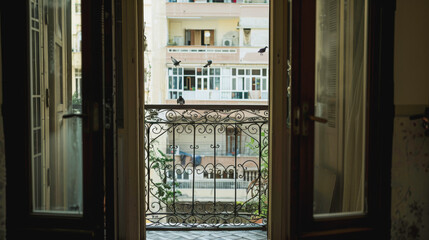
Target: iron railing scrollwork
(206, 165)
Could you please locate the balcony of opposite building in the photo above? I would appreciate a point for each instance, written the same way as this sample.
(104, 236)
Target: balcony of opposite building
(185, 9)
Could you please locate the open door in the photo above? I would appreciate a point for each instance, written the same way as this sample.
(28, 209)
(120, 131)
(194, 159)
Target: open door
(61, 171)
(340, 112)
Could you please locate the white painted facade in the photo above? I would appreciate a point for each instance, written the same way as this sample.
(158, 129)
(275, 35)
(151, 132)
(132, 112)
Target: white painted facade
(240, 30)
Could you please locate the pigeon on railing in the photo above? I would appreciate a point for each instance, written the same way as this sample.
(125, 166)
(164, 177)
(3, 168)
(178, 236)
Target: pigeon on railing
(262, 50)
(180, 100)
(175, 62)
(209, 62)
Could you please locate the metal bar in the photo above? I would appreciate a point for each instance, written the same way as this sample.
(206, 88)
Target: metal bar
(235, 168)
(214, 160)
(193, 170)
(260, 168)
(148, 166)
(215, 228)
(206, 107)
(174, 168)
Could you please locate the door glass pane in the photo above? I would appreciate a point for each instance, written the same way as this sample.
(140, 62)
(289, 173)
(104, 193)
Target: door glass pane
(205, 83)
(56, 81)
(340, 98)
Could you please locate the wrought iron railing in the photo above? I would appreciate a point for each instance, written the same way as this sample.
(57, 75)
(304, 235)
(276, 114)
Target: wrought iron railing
(206, 165)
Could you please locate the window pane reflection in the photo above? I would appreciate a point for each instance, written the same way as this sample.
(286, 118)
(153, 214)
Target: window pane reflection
(56, 93)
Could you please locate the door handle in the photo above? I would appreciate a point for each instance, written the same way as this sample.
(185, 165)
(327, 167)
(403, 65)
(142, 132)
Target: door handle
(318, 119)
(70, 115)
(307, 117)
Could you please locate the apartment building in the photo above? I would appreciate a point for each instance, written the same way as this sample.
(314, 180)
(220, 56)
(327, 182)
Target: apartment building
(229, 34)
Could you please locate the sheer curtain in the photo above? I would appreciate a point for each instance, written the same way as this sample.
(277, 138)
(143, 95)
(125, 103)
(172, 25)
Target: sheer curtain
(354, 105)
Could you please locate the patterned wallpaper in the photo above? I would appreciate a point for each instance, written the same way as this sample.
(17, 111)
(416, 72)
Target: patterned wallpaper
(2, 183)
(410, 181)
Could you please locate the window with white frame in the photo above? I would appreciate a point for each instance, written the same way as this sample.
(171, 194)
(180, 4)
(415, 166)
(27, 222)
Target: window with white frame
(175, 79)
(189, 79)
(249, 83)
(216, 83)
(78, 80)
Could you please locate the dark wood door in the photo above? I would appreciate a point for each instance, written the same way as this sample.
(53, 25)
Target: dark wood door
(337, 52)
(56, 187)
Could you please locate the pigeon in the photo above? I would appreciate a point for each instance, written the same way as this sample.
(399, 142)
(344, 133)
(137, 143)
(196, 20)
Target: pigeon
(180, 100)
(262, 50)
(209, 62)
(175, 62)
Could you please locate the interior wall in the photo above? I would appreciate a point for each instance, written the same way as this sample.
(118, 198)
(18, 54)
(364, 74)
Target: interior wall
(412, 52)
(410, 163)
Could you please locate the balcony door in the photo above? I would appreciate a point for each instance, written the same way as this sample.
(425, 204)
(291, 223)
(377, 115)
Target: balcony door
(57, 188)
(329, 116)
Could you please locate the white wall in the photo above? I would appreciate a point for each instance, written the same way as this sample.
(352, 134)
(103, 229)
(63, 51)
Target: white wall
(158, 41)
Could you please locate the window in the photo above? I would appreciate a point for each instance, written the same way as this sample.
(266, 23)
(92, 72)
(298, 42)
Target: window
(214, 79)
(78, 81)
(199, 37)
(233, 137)
(77, 9)
(78, 41)
(247, 35)
(189, 76)
(249, 83)
(175, 81)
(195, 81)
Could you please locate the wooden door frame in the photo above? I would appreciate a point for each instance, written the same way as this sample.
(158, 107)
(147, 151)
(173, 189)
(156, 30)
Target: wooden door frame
(286, 170)
(280, 223)
(130, 149)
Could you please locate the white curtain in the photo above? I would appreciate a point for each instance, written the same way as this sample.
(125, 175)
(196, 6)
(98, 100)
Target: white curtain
(354, 100)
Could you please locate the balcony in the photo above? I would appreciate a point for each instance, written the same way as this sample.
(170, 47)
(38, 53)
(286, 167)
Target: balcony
(206, 166)
(200, 54)
(243, 8)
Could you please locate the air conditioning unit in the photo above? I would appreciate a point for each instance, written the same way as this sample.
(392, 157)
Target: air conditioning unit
(227, 42)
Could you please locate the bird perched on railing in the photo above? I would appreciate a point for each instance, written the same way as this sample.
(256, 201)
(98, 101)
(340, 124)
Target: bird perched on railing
(262, 50)
(209, 62)
(175, 62)
(180, 100)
